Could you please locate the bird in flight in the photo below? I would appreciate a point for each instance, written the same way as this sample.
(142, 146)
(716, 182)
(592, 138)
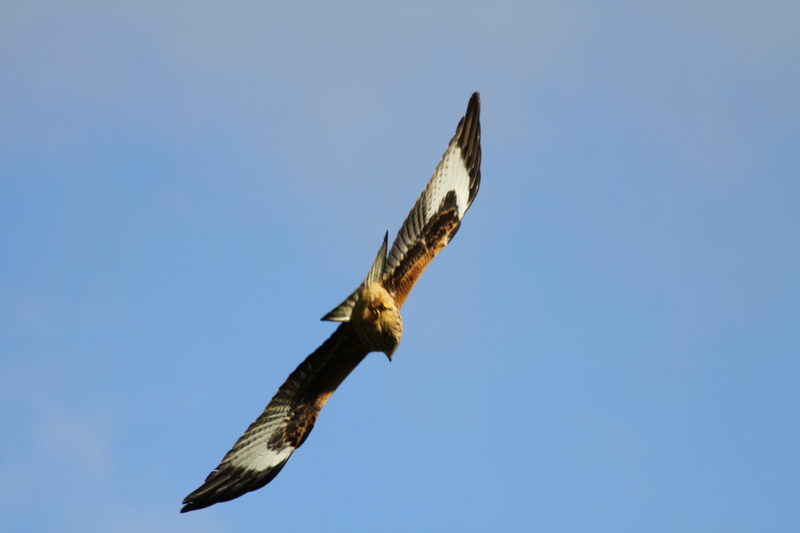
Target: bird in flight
(370, 322)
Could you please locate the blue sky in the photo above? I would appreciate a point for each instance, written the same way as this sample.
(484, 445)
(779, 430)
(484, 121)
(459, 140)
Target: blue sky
(610, 343)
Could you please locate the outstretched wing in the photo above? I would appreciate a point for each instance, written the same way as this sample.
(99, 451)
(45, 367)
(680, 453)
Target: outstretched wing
(286, 422)
(436, 216)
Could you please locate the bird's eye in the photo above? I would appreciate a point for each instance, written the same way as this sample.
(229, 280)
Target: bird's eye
(380, 306)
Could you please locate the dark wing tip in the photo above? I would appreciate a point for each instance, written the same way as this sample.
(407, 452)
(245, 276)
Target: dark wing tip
(193, 507)
(228, 484)
(469, 140)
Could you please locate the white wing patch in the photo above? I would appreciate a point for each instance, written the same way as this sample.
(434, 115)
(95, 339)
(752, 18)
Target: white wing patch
(450, 175)
(254, 453)
(261, 458)
(253, 450)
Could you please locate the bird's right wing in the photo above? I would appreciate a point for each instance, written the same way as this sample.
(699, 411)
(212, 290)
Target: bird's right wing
(436, 216)
(260, 454)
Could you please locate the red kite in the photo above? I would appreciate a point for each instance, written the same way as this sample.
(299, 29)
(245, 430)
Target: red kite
(370, 322)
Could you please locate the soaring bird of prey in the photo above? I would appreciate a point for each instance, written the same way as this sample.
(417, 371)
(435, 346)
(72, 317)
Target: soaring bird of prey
(370, 322)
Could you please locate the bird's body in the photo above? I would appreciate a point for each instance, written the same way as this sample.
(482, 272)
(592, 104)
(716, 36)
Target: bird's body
(370, 322)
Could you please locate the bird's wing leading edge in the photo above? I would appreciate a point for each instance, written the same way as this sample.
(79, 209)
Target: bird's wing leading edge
(260, 454)
(436, 216)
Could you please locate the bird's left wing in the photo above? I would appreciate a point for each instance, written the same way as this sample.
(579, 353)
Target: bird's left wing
(436, 215)
(260, 454)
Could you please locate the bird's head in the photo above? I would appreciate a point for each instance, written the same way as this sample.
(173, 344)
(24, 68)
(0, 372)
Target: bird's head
(377, 320)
